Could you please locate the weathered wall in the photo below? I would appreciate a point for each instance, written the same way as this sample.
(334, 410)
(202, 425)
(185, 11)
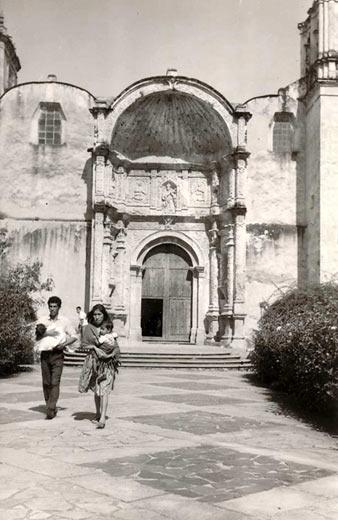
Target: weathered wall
(271, 199)
(329, 183)
(63, 249)
(42, 180)
(45, 189)
(312, 190)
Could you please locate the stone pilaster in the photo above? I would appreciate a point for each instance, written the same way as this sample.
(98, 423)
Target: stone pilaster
(227, 308)
(135, 303)
(106, 263)
(238, 212)
(213, 309)
(97, 250)
(197, 334)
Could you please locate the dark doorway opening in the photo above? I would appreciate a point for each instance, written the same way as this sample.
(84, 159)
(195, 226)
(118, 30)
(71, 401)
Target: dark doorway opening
(152, 317)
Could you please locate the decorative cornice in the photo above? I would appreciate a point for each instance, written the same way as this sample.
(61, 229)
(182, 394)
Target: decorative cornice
(241, 111)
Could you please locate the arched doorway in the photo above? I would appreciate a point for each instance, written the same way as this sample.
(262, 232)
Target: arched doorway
(166, 294)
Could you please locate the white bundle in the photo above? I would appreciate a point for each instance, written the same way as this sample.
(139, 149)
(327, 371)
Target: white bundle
(52, 337)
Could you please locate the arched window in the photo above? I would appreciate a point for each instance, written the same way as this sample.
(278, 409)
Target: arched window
(50, 123)
(282, 133)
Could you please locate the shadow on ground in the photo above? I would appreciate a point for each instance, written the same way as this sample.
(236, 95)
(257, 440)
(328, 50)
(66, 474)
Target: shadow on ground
(83, 416)
(290, 407)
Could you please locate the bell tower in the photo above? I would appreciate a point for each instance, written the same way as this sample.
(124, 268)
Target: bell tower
(319, 68)
(9, 61)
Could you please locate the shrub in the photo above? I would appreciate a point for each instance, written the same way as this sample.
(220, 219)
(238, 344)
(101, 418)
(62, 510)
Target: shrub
(17, 288)
(296, 345)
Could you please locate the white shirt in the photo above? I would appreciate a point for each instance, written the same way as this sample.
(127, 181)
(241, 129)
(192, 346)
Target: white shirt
(83, 318)
(61, 323)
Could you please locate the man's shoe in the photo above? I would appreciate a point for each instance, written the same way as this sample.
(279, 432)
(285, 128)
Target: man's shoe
(51, 414)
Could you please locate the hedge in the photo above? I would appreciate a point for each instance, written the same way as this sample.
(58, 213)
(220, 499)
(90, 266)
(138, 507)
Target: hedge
(296, 346)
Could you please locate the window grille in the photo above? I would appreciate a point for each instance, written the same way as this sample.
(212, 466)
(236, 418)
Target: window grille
(50, 123)
(282, 134)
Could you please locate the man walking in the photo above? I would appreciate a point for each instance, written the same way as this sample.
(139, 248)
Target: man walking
(82, 319)
(52, 360)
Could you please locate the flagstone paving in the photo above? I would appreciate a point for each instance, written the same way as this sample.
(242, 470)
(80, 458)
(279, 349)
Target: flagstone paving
(178, 444)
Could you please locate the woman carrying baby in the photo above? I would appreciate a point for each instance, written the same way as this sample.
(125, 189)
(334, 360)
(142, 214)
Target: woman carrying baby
(100, 365)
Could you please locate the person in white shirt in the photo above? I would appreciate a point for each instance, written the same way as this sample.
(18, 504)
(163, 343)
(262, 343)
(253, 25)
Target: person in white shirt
(52, 358)
(82, 319)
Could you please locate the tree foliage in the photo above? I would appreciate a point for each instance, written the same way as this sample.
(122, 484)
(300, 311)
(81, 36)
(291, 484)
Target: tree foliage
(18, 287)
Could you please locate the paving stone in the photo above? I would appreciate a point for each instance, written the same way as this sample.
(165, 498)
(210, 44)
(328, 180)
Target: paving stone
(209, 473)
(193, 385)
(8, 416)
(200, 422)
(271, 502)
(194, 399)
(25, 397)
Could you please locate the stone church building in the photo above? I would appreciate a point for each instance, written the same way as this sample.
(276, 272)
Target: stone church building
(184, 214)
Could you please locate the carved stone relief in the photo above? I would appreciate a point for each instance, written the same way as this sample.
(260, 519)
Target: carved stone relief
(198, 192)
(138, 190)
(169, 197)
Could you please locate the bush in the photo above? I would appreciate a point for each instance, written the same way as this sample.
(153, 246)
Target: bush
(17, 287)
(296, 346)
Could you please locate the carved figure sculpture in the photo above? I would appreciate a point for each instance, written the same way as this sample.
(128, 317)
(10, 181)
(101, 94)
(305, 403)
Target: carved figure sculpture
(169, 197)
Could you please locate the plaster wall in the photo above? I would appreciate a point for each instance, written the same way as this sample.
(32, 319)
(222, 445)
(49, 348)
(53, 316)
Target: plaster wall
(271, 178)
(271, 267)
(329, 183)
(312, 189)
(44, 181)
(271, 219)
(62, 247)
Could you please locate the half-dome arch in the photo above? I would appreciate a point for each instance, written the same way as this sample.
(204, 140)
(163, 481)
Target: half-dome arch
(171, 124)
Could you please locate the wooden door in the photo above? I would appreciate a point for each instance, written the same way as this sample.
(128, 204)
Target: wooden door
(166, 294)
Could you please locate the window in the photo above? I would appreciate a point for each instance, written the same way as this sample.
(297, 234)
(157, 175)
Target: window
(50, 123)
(282, 136)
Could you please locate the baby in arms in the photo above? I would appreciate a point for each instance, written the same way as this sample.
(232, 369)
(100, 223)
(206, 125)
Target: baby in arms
(47, 338)
(108, 348)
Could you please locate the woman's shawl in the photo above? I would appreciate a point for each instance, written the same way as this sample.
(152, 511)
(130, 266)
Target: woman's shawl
(90, 336)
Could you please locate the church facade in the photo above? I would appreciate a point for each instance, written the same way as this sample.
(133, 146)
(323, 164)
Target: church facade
(185, 215)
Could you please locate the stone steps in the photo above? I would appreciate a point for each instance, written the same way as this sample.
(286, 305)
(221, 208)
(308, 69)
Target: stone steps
(192, 360)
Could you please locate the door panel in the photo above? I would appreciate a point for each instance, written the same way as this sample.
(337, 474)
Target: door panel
(153, 283)
(179, 324)
(167, 277)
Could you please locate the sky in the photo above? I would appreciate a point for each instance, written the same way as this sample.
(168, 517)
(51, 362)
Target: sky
(242, 48)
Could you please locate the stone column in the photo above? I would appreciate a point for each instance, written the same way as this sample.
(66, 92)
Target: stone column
(213, 310)
(135, 303)
(227, 308)
(106, 263)
(238, 212)
(100, 152)
(197, 334)
(97, 246)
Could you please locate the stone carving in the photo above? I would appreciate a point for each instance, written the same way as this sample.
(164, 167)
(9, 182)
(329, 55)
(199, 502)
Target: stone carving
(214, 188)
(169, 197)
(168, 222)
(139, 191)
(198, 193)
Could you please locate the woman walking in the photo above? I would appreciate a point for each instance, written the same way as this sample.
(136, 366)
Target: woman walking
(99, 368)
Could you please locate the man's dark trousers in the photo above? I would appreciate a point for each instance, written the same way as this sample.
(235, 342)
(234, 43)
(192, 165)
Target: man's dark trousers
(51, 369)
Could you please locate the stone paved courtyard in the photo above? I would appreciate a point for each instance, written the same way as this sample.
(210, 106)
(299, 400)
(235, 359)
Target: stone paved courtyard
(177, 445)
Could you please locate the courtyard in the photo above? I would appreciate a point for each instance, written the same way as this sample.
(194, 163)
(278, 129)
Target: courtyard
(178, 444)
